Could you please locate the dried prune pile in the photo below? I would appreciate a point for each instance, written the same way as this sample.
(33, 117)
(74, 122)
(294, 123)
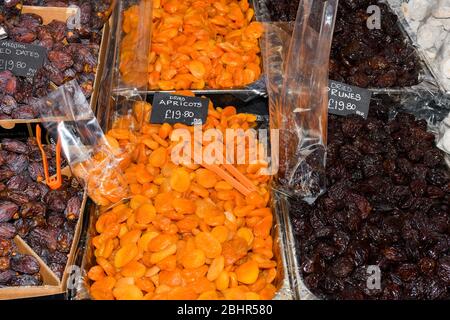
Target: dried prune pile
(71, 54)
(379, 58)
(375, 58)
(387, 205)
(282, 10)
(44, 218)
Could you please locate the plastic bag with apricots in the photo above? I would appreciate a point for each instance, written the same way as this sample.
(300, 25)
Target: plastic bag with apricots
(297, 85)
(196, 45)
(93, 157)
(132, 45)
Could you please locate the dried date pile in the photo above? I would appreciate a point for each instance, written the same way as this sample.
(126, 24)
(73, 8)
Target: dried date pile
(16, 269)
(44, 218)
(71, 54)
(375, 58)
(91, 11)
(388, 205)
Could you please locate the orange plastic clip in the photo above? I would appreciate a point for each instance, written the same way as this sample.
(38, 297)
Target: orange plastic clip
(54, 182)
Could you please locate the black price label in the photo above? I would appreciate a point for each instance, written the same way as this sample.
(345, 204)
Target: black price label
(21, 59)
(344, 99)
(171, 108)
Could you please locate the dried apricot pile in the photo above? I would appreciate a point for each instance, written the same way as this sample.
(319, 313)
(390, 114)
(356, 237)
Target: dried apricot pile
(197, 44)
(185, 233)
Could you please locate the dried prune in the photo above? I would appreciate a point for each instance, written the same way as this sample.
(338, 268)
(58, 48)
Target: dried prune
(407, 272)
(437, 177)
(342, 267)
(443, 269)
(25, 264)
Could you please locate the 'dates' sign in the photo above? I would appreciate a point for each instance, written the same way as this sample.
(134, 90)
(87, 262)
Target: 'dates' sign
(21, 59)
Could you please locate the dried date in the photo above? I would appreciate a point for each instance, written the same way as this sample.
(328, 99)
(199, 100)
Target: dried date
(7, 230)
(26, 280)
(7, 210)
(25, 264)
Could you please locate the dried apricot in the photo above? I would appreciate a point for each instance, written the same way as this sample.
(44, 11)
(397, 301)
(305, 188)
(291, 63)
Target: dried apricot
(145, 284)
(131, 237)
(158, 157)
(193, 259)
(223, 281)
(215, 268)
(220, 233)
(125, 254)
(161, 242)
(234, 249)
(248, 272)
(206, 178)
(184, 206)
(96, 273)
(208, 244)
(128, 292)
(133, 269)
(180, 180)
(145, 213)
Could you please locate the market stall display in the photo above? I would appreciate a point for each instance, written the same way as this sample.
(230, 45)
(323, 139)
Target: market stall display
(38, 228)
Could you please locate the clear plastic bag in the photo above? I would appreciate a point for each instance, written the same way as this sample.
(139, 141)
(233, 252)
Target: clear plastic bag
(68, 117)
(131, 45)
(298, 96)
